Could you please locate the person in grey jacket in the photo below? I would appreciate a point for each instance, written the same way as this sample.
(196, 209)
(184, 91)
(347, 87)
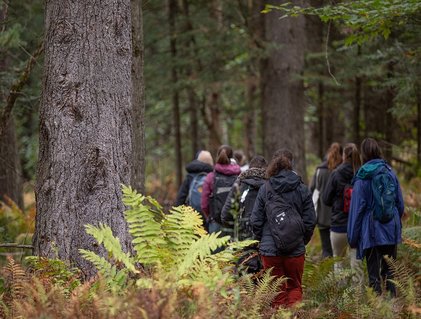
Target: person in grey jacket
(318, 187)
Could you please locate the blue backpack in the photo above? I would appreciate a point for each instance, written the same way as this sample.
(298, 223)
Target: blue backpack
(384, 194)
(195, 191)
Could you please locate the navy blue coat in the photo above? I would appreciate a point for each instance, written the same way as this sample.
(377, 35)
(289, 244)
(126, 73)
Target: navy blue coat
(363, 231)
(192, 168)
(289, 184)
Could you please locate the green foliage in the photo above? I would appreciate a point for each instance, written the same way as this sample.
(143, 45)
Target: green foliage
(173, 247)
(16, 226)
(56, 271)
(366, 19)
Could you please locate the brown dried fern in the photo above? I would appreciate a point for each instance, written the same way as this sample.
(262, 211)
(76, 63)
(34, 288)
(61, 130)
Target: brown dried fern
(15, 279)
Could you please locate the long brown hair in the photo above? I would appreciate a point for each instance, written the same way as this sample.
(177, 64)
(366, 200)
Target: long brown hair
(352, 156)
(282, 159)
(334, 156)
(370, 150)
(224, 154)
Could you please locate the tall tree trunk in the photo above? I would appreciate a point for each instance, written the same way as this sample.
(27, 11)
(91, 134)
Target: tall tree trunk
(85, 149)
(191, 96)
(138, 98)
(321, 120)
(389, 125)
(315, 41)
(10, 168)
(255, 24)
(172, 12)
(283, 93)
(250, 118)
(357, 105)
(418, 95)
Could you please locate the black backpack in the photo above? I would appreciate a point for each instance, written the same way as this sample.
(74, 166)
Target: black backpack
(285, 223)
(221, 186)
(247, 199)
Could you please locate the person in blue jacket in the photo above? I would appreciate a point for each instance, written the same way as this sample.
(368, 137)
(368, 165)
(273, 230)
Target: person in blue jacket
(373, 238)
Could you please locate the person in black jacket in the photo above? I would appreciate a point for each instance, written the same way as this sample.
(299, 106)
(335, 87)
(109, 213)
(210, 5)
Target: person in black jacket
(242, 197)
(202, 164)
(288, 185)
(334, 196)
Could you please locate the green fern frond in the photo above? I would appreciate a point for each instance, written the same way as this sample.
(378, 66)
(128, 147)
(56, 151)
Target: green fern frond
(104, 235)
(200, 249)
(133, 199)
(114, 278)
(182, 226)
(144, 226)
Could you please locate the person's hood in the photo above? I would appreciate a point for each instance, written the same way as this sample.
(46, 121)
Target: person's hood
(228, 169)
(285, 181)
(369, 169)
(197, 166)
(323, 165)
(254, 177)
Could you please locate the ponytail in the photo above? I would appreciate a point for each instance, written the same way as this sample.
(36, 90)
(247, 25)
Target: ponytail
(334, 156)
(352, 156)
(224, 155)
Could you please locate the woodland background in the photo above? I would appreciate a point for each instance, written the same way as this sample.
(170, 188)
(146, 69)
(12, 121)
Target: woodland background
(215, 72)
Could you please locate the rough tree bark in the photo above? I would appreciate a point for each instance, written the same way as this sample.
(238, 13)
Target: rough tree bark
(172, 11)
(85, 126)
(315, 44)
(357, 105)
(255, 25)
(283, 92)
(138, 98)
(418, 96)
(191, 95)
(389, 122)
(10, 168)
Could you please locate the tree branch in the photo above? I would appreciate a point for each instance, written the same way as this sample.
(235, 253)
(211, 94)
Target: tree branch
(14, 245)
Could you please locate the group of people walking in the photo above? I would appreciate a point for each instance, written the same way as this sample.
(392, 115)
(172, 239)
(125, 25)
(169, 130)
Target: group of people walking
(354, 199)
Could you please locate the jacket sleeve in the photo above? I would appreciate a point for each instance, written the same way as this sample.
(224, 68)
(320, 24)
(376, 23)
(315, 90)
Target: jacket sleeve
(308, 214)
(313, 182)
(207, 191)
(356, 214)
(399, 199)
(183, 192)
(258, 215)
(329, 192)
(226, 215)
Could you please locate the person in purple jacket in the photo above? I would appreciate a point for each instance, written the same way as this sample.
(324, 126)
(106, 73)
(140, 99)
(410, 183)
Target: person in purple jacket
(217, 186)
(375, 237)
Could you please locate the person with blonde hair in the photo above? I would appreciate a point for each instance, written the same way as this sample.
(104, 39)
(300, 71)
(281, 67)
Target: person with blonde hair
(190, 191)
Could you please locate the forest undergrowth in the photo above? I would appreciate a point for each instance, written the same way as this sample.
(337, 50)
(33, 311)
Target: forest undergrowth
(172, 273)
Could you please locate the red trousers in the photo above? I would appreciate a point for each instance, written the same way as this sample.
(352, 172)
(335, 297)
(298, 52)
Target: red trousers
(292, 268)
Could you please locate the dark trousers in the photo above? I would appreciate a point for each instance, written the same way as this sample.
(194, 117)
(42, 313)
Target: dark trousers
(378, 270)
(292, 268)
(326, 244)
